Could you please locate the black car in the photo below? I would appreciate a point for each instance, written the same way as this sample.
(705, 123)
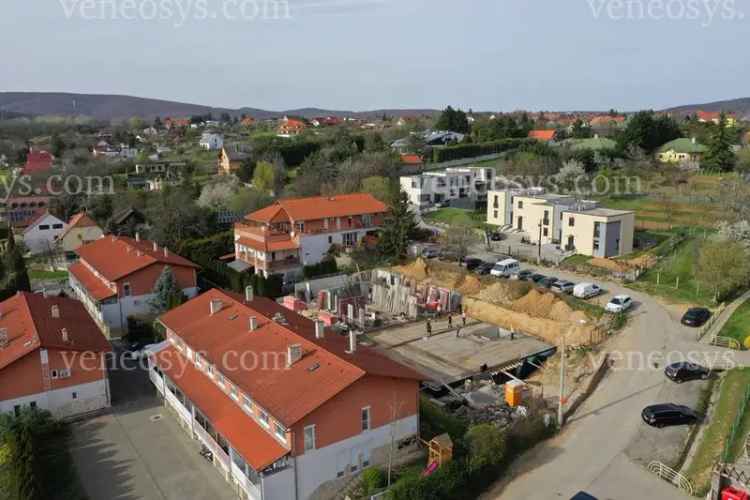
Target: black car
(582, 495)
(472, 263)
(536, 278)
(684, 371)
(662, 415)
(696, 316)
(496, 236)
(524, 275)
(484, 268)
(547, 281)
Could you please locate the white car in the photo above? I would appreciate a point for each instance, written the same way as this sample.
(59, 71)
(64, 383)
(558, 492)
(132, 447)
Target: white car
(619, 303)
(506, 268)
(586, 290)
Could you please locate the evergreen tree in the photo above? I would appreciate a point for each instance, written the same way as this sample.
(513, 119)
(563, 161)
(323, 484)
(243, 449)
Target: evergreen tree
(167, 293)
(400, 226)
(720, 156)
(16, 277)
(453, 120)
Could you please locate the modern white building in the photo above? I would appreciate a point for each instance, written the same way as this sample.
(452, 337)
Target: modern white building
(211, 141)
(462, 187)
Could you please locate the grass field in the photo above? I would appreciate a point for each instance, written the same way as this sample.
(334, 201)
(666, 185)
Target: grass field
(35, 274)
(738, 325)
(456, 216)
(651, 212)
(718, 430)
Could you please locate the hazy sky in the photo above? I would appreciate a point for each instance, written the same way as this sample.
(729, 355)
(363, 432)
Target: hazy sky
(367, 54)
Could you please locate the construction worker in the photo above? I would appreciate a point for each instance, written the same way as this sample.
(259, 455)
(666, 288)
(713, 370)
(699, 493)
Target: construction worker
(450, 320)
(428, 327)
(463, 317)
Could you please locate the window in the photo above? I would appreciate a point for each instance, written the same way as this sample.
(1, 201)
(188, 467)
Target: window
(545, 232)
(572, 221)
(32, 404)
(367, 220)
(366, 419)
(330, 240)
(57, 226)
(280, 432)
(75, 395)
(264, 418)
(309, 437)
(126, 289)
(495, 214)
(520, 204)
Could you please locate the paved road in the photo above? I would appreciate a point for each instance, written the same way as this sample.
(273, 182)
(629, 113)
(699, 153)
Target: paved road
(592, 454)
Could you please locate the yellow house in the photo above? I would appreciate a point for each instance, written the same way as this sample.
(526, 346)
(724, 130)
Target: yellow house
(80, 230)
(230, 159)
(598, 232)
(681, 151)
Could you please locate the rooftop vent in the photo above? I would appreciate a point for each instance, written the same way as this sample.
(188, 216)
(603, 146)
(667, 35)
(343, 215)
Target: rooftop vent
(313, 367)
(4, 340)
(294, 354)
(215, 306)
(54, 311)
(253, 323)
(137, 236)
(279, 318)
(156, 247)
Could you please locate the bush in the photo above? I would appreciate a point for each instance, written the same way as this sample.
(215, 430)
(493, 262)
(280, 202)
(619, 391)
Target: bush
(435, 421)
(322, 268)
(373, 480)
(459, 151)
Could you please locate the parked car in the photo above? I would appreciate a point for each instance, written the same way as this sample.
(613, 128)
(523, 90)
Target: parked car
(684, 371)
(619, 303)
(563, 286)
(430, 253)
(523, 275)
(582, 495)
(586, 290)
(505, 268)
(471, 263)
(484, 268)
(536, 278)
(547, 282)
(696, 316)
(496, 236)
(662, 415)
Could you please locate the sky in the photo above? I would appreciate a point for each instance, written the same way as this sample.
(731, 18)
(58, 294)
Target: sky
(493, 55)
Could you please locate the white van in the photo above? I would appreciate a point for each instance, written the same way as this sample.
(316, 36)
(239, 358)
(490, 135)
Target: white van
(586, 290)
(505, 268)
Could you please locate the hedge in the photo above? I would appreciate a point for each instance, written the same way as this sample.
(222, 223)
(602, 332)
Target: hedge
(324, 267)
(448, 153)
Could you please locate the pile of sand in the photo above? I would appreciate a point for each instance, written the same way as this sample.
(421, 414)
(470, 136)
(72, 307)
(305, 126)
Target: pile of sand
(416, 270)
(547, 305)
(646, 261)
(503, 292)
(611, 265)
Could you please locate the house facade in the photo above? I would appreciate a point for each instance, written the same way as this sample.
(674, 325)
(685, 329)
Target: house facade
(463, 187)
(52, 357)
(80, 230)
(682, 151)
(115, 275)
(574, 225)
(292, 233)
(290, 127)
(211, 141)
(42, 234)
(311, 411)
(230, 159)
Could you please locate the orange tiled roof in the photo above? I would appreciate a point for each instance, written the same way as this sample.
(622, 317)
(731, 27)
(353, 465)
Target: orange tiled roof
(255, 445)
(269, 245)
(288, 393)
(411, 159)
(81, 219)
(319, 207)
(97, 288)
(542, 135)
(30, 325)
(116, 257)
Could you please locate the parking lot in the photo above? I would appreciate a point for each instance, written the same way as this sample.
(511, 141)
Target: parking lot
(139, 452)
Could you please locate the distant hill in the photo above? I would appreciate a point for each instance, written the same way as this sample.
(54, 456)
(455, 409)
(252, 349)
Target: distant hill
(112, 107)
(739, 106)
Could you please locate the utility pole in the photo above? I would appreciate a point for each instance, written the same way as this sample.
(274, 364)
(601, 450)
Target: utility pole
(539, 247)
(561, 403)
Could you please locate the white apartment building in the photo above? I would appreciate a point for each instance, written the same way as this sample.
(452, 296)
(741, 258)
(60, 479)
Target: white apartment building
(462, 187)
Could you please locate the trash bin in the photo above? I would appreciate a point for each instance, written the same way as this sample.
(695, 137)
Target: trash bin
(733, 494)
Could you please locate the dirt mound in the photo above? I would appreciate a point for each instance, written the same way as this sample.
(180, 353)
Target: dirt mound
(618, 267)
(416, 270)
(645, 261)
(547, 305)
(503, 292)
(469, 285)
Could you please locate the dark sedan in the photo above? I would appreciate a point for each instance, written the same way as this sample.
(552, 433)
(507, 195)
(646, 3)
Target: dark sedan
(547, 282)
(662, 415)
(524, 275)
(582, 495)
(484, 268)
(536, 278)
(696, 316)
(472, 263)
(684, 371)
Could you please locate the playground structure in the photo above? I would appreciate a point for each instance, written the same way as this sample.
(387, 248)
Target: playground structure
(440, 450)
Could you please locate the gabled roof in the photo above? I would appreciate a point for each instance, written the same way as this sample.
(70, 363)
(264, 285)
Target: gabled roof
(39, 217)
(79, 220)
(319, 207)
(288, 393)
(542, 135)
(117, 256)
(37, 162)
(683, 145)
(30, 326)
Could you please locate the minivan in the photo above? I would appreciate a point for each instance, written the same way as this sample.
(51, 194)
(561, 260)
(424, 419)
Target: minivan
(586, 290)
(505, 268)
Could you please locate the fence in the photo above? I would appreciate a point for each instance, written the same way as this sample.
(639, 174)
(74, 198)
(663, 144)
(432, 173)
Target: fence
(736, 427)
(711, 322)
(672, 476)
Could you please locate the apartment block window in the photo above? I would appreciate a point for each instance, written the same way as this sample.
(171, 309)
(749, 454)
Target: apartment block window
(280, 432)
(247, 404)
(545, 232)
(264, 418)
(495, 204)
(75, 395)
(366, 419)
(309, 437)
(495, 214)
(572, 221)
(126, 289)
(546, 217)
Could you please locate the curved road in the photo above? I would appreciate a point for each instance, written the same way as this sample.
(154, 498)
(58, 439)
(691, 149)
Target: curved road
(589, 454)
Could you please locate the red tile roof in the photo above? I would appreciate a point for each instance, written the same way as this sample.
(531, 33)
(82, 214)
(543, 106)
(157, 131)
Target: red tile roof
(542, 135)
(255, 445)
(116, 257)
(288, 393)
(37, 162)
(269, 245)
(712, 115)
(97, 288)
(30, 326)
(319, 207)
(411, 159)
(79, 220)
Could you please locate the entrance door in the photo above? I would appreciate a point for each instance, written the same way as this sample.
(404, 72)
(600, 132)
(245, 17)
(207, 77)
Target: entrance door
(520, 223)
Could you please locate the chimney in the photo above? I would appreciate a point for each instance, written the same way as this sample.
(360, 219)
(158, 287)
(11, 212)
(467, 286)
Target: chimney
(215, 306)
(166, 252)
(137, 236)
(156, 247)
(319, 329)
(253, 323)
(352, 342)
(54, 311)
(65, 337)
(693, 140)
(4, 340)
(294, 354)
(249, 293)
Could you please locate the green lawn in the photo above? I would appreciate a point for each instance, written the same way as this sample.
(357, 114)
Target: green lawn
(662, 279)
(719, 428)
(738, 326)
(456, 216)
(35, 274)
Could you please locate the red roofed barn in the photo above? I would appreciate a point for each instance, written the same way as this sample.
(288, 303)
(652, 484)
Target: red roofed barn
(115, 276)
(291, 233)
(51, 357)
(289, 410)
(542, 135)
(37, 162)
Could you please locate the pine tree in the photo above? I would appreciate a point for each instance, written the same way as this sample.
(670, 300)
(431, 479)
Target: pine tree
(400, 226)
(167, 293)
(720, 156)
(14, 276)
